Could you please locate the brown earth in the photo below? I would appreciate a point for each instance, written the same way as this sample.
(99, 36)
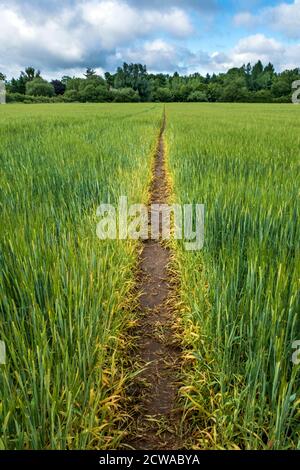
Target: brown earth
(156, 420)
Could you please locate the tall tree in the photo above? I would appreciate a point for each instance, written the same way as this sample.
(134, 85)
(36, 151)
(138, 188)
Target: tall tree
(39, 87)
(90, 73)
(30, 73)
(59, 87)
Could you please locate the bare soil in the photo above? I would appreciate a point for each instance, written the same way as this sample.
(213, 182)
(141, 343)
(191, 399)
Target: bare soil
(156, 419)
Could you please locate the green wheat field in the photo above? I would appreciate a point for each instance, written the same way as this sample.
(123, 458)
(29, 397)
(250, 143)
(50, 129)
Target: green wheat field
(67, 299)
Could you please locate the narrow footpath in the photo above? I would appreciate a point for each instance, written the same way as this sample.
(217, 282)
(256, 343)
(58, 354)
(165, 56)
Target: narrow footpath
(156, 420)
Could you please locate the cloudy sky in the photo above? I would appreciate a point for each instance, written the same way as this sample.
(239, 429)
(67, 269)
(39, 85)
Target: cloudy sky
(64, 37)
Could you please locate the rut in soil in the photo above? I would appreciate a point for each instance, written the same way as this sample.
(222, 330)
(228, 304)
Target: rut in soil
(156, 420)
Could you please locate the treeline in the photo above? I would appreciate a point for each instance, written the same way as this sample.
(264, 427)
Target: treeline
(132, 83)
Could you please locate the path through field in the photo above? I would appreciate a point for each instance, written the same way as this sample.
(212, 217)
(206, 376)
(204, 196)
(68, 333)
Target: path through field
(157, 420)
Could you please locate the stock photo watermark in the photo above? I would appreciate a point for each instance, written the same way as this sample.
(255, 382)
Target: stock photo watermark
(296, 93)
(138, 222)
(2, 353)
(296, 354)
(2, 92)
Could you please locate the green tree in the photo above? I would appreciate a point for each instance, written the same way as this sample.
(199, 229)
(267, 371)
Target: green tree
(72, 95)
(282, 83)
(257, 71)
(59, 87)
(39, 87)
(132, 82)
(163, 95)
(75, 83)
(65, 79)
(262, 96)
(269, 69)
(281, 87)
(125, 95)
(235, 90)
(95, 94)
(90, 73)
(214, 92)
(197, 96)
(30, 74)
(18, 85)
(109, 79)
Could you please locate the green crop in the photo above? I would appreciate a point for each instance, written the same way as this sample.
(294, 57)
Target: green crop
(67, 299)
(241, 292)
(64, 294)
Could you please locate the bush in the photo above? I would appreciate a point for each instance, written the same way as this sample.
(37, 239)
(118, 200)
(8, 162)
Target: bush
(235, 91)
(29, 99)
(15, 98)
(197, 96)
(262, 96)
(283, 99)
(163, 95)
(125, 95)
(98, 94)
(71, 96)
(37, 99)
(39, 87)
(59, 87)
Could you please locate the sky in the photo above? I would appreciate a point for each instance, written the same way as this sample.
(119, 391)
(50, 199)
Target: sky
(65, 37)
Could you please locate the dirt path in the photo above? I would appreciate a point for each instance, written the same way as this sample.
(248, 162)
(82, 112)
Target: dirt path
(156, 419)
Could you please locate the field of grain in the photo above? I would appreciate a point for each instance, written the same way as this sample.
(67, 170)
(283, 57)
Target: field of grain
(241, 292)
(63, 293)
(68, 300)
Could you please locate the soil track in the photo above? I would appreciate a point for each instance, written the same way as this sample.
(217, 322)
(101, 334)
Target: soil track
(156, 420)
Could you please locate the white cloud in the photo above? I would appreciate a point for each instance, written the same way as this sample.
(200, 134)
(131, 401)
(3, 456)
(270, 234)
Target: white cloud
(44, 42)
(245, 19)
(117, 21)
(255, 47)
(284, 18)
(103, 33)
(258, 47)
(85, 34)
(159, 55)
(248, 49)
